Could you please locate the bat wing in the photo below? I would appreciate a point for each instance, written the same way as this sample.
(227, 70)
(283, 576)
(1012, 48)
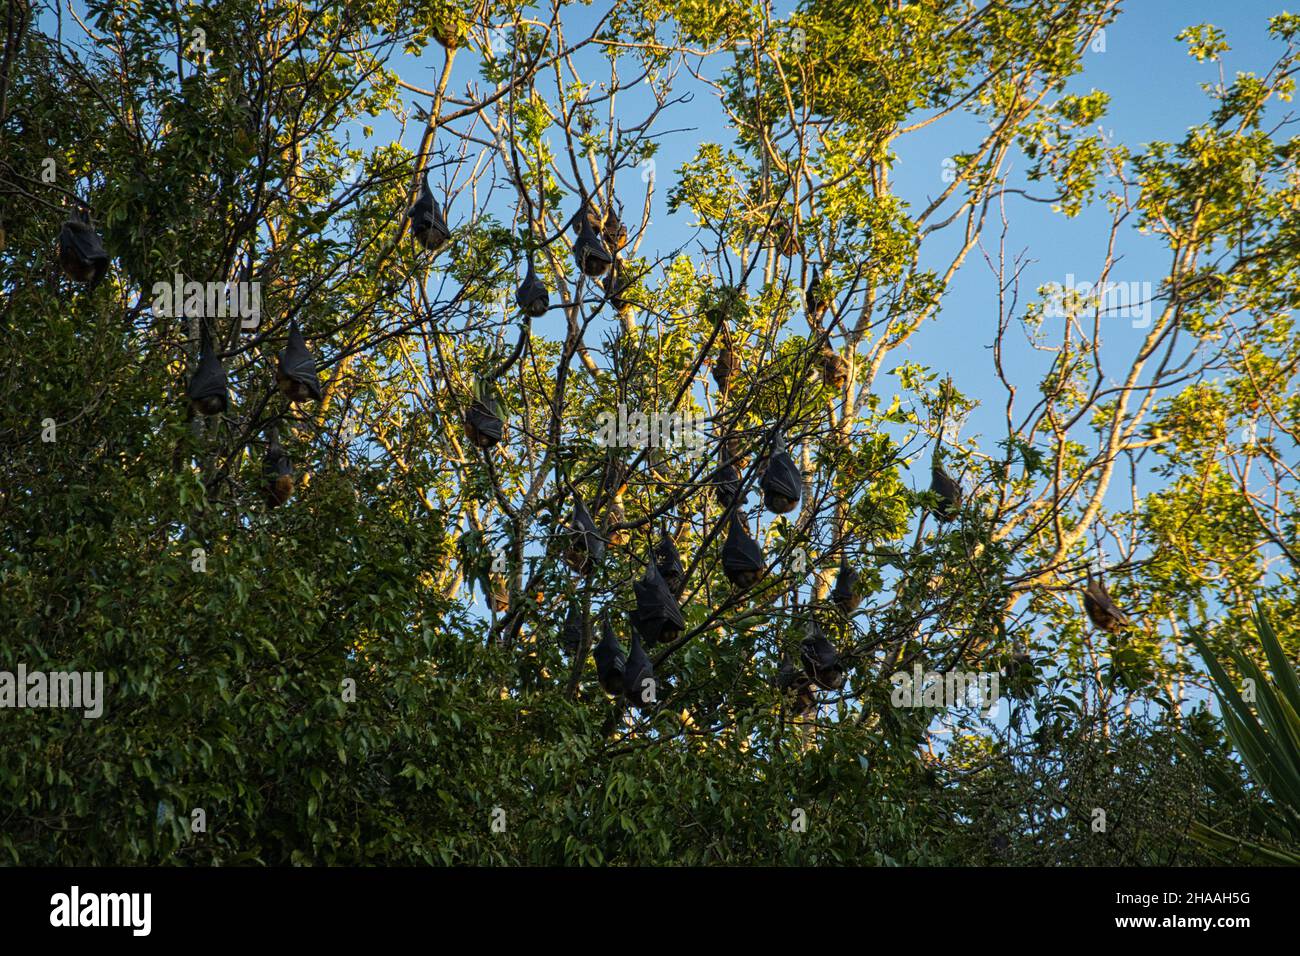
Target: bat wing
(486, 423)
(819, 652)
(421, 217)
(822, 661)
(209, 379)
(574, 626)
(727, 482)
(741, 553)
(844, 585)
(101, 270)
(1102, 608)
(782, 476)
(636, 670)
(440, 221)
(592, 256)
(669, 562)
(82, 240)
(302, 369)
(656, 606)
(83, 244)
(298, 364)
(532, 296)
(590, 537)
(943, 485)
(609, 655)
(421, 213)
(276, 464)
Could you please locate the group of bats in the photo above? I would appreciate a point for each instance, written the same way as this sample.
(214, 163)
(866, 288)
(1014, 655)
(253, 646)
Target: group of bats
(84, 259)
(657, 618)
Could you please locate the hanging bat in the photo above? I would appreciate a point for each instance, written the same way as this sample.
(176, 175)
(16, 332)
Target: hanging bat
(499, 594)
(726, 484)
(587, 547)
(277, 470)
(449, 27)
(733, 452)
(590, 254)
(615, 284)
(428, 225)
(207, 390)
(781, 482)
(797, 688)
(81, 253)
(669, 562)
(814, 300)
(1104, 613)
(821, 662)
(835, 370)
(484, 426)
(639, 677)
(742, 558)
(609, 498)
(725, 367)
(575, 627)
(589, 216)
(786, 243)
(615, 515)
(845, 593)
(610, 660)
(657, 615)
(948, 491)
(614, 232)
(531, 296)
(247, 128)
(613, 478)
(295, 371)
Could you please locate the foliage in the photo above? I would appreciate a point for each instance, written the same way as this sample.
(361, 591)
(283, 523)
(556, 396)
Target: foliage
(1267, 736)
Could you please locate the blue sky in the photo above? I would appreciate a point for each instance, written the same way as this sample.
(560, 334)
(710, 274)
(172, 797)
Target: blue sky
(1155, 94)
